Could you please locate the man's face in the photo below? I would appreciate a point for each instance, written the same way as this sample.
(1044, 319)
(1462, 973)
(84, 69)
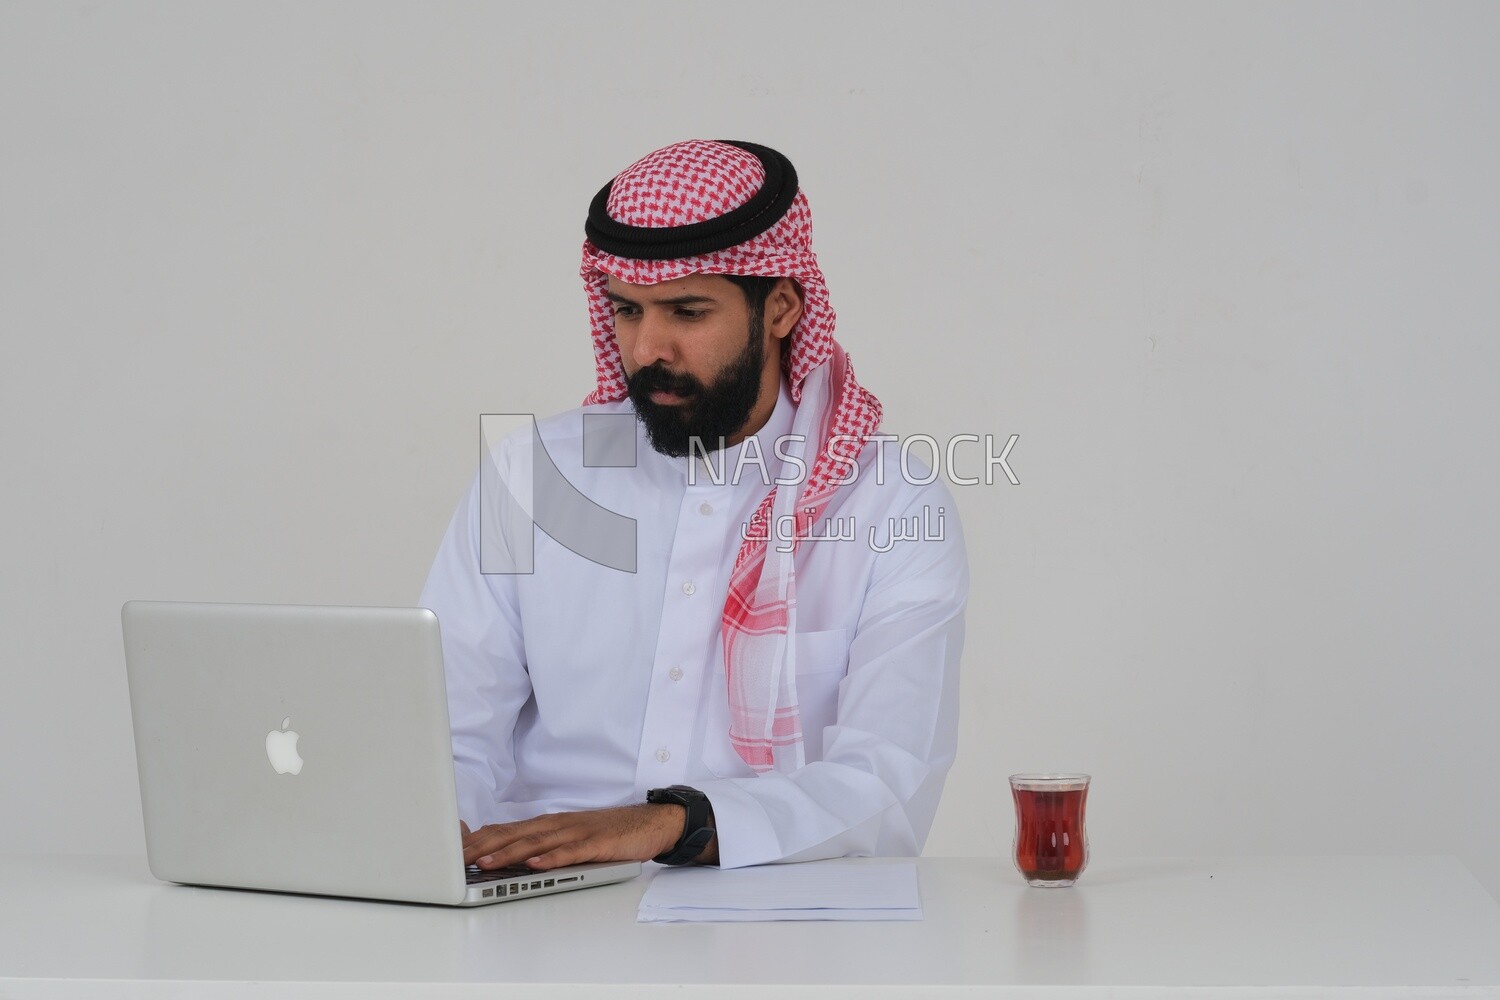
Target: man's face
(695, 360)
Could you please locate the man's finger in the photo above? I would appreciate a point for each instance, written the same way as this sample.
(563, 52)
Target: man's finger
(513, 846)
(488, 839)
(572, 853)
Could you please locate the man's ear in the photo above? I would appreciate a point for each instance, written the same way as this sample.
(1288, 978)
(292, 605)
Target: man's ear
(783, 308)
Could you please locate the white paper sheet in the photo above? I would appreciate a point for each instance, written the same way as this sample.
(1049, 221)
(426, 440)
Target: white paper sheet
(814, 890)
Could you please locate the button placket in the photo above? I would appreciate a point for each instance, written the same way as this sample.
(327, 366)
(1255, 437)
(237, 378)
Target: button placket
(676, 688)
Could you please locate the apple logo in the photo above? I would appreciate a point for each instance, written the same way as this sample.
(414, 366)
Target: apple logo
(281, 747)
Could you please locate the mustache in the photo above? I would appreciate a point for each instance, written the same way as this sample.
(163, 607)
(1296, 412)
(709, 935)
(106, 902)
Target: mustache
(654, 378)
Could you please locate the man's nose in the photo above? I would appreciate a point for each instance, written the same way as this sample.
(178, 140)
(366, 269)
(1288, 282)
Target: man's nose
(653, 342)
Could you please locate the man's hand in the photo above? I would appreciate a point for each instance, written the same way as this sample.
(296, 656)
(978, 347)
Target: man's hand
(629, 833)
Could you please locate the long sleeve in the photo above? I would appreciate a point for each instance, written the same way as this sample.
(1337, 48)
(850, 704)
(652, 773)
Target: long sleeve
(484, 663)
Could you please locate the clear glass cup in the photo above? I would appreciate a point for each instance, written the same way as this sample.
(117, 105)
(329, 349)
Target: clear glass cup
(1051, 848)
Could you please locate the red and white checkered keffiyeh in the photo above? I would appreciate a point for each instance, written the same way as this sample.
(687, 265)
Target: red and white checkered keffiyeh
(687, 183)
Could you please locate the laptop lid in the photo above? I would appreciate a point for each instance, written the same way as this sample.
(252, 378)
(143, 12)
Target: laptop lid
(300, 749)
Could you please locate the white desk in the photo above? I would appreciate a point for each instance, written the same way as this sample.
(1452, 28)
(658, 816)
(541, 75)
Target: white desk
(1311, 927)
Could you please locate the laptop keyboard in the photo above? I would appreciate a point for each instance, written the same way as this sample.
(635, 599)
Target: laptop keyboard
(473, 874)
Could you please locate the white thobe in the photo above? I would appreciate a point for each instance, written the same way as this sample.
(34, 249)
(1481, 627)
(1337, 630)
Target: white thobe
(578, 686)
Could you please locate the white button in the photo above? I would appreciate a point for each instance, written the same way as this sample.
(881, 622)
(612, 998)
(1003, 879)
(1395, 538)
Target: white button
(663, 755)
(675, 673)
(689, 588)
(706, 508)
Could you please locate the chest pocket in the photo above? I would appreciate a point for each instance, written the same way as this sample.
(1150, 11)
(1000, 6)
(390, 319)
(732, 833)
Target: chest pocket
(822, 662)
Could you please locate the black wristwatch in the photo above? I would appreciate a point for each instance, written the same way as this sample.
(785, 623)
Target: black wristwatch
(696, 831)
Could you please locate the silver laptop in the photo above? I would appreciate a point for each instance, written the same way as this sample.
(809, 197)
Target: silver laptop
(306, 749)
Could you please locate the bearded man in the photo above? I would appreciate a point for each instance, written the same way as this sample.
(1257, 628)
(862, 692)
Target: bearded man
(771, 672)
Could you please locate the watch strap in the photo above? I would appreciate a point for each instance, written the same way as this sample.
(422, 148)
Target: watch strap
(696, 829)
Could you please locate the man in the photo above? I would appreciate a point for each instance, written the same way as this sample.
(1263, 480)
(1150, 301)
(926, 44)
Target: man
(770, 673)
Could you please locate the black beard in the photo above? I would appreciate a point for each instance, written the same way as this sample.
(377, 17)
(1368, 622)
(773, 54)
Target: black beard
(708, 414)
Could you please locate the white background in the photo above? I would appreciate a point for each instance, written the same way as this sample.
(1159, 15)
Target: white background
(1228, 270)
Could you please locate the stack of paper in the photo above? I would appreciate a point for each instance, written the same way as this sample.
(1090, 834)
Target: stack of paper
(815, 890)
